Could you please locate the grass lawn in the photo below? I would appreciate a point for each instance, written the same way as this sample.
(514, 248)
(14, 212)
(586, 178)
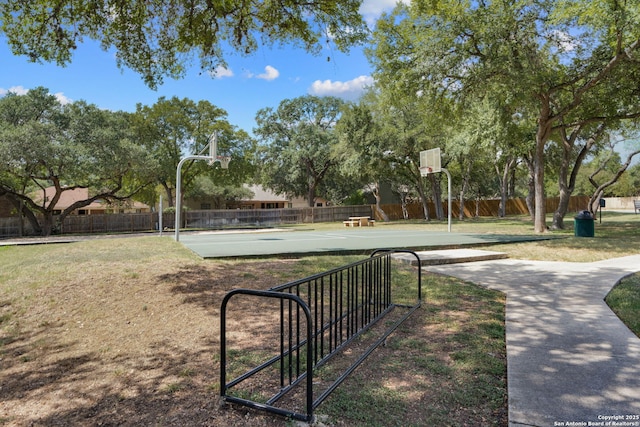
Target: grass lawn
(126, 332)
(624, 300)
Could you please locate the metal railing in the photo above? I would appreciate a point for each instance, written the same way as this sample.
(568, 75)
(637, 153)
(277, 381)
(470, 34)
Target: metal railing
(317, 318)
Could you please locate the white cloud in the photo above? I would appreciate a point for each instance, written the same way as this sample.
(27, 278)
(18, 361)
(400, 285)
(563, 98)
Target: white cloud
(221, 72)
(62, 99)
(376, 7)
(270, 73)
(372, 9)
(564, 41)
(20, 90)
(349, 90)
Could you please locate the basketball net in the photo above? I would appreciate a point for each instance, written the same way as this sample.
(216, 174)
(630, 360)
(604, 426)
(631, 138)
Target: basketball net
(224, 161)
(425, 170)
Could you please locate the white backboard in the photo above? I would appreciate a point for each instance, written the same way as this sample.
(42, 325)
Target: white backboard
(430, 161)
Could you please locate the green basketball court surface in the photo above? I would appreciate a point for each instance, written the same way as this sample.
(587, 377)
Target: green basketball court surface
(212, 244)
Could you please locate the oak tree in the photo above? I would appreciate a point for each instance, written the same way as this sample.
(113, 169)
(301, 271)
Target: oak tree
(297, 139)
(158, 38)
(45, 144)
(555, 58)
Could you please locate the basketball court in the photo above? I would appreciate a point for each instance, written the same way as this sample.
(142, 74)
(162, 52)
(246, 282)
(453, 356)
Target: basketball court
(349, 240)
(353, 239)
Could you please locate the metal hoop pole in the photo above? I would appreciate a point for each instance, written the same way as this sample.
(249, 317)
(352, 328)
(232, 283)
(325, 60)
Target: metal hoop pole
(178, 195)
(212, 158)
(449, 193)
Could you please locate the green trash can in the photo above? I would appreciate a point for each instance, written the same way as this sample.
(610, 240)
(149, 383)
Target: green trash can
(583, 224)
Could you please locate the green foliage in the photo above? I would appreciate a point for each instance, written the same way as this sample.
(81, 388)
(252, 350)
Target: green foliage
(46, 144)
(159, 38)
(359, 149)
(173, 128)
(205, 188)
(555, 75)
(357, 198)
(297, 141)
(603, 167)
(634, 176)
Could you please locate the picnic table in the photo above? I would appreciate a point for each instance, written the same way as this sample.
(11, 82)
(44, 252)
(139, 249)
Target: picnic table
(359, 221)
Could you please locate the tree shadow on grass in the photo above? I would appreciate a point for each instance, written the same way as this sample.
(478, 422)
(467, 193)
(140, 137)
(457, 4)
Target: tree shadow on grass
(59, 386)
(169, 377)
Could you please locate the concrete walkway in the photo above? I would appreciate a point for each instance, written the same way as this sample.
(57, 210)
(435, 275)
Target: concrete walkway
(570, 360)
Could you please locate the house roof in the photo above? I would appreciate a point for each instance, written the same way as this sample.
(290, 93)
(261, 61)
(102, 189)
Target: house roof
(261, 194)
(69, 197)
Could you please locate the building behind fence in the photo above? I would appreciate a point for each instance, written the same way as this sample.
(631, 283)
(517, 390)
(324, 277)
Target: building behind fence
(240, 218)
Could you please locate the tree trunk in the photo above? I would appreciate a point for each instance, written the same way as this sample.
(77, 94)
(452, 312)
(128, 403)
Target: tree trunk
(405, 211)
(566, 180)
(463, 190)
(594, 201)
(504, 186)
(27, 213)
(425, 204)
(47, 224)
(423, 199)
(437, 196)
(311, 196)
(539, 221)
(379, 210)
(403, 193)
(542, 136)
(403, 203)
(564, 191)
(512, 180)
(461, 204)
(530, 200)
(561, 210)
(169, 192)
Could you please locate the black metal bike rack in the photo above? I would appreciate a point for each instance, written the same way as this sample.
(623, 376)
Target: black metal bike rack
(319, 316)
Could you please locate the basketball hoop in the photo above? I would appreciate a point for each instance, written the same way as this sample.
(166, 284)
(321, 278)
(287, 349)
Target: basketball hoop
(430, 161)
(425, 170)
(224, 161)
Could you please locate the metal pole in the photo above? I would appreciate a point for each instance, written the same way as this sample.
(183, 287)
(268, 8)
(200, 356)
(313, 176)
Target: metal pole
(212, 158)
(449, 192)
(160, 216)
(178, 196)
(21, 225)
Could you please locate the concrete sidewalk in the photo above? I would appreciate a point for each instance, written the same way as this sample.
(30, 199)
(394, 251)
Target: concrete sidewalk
(570, 360)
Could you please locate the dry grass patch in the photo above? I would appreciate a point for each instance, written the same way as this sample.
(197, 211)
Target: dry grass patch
(126, 332)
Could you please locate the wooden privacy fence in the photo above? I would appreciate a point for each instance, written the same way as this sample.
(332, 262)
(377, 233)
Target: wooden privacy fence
(10, 227)
(484, 207)
(232, 218)
(89, 224)
(205, 219)
(113, 223)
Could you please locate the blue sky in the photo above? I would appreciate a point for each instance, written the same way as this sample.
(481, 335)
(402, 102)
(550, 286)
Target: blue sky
(249, 83)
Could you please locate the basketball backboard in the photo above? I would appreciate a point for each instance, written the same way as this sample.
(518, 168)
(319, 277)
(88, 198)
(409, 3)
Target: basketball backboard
(213, 148)
(430, 161)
